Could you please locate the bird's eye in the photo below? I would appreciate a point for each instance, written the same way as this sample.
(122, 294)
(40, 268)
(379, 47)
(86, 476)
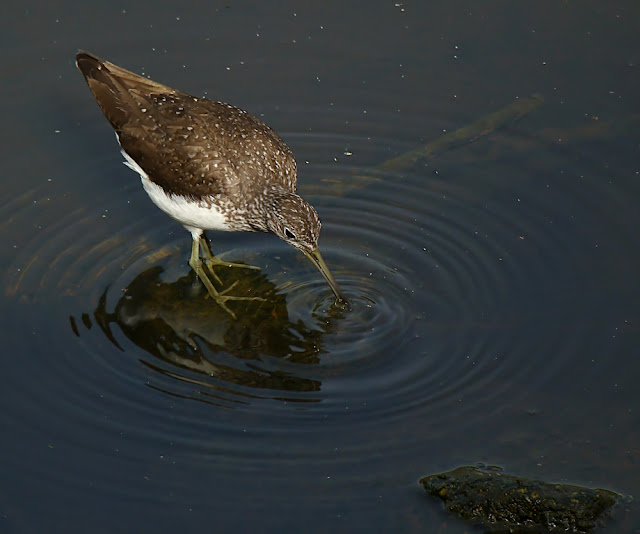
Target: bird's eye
(289, 234)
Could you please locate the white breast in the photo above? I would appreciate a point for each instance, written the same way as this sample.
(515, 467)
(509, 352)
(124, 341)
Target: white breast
(193, 215)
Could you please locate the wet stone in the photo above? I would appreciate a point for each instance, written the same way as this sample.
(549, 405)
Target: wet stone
(506, 503)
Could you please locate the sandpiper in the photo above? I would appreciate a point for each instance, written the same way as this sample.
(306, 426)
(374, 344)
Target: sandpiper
(207, 164)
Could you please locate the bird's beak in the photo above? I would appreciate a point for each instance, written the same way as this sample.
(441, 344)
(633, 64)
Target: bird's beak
(316, 259)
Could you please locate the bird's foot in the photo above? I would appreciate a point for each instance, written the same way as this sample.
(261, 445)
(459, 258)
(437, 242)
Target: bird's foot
(211, 261)
(221, 297)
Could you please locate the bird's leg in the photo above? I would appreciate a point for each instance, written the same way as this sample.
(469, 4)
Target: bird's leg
(220, 297)
(210, 260)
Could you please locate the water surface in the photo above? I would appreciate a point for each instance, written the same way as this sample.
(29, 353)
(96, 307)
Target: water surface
(493, 286)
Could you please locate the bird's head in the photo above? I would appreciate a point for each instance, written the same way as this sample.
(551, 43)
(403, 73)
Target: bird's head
(296, 221)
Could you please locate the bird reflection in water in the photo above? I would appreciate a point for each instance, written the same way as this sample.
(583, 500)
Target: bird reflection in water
(195, 341)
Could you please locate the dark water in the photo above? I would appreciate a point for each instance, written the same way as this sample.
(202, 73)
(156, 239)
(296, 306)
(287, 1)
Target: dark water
(494, 286)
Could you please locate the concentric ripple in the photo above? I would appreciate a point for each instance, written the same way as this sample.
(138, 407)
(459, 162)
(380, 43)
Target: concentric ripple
(455, 282)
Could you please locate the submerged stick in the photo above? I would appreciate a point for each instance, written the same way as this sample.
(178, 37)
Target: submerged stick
(407, 161)
(465, 135)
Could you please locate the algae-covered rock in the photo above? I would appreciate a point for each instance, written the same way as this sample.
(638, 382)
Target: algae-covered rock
(510, 503)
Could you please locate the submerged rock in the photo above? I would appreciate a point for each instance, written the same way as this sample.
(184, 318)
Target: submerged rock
(509, 503)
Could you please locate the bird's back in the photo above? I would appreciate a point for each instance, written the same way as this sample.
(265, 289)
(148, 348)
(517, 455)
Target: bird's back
(189, 146)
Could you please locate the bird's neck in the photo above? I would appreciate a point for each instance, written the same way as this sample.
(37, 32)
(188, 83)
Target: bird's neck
(261, 215)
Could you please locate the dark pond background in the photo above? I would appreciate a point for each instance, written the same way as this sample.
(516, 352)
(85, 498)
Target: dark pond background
(495, 286)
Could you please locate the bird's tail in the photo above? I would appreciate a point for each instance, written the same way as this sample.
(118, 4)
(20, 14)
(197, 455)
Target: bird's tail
(120, 93)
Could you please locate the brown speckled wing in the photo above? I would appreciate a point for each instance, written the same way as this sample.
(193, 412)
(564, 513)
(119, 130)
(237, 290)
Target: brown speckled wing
(171, 145)
(189, 146)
